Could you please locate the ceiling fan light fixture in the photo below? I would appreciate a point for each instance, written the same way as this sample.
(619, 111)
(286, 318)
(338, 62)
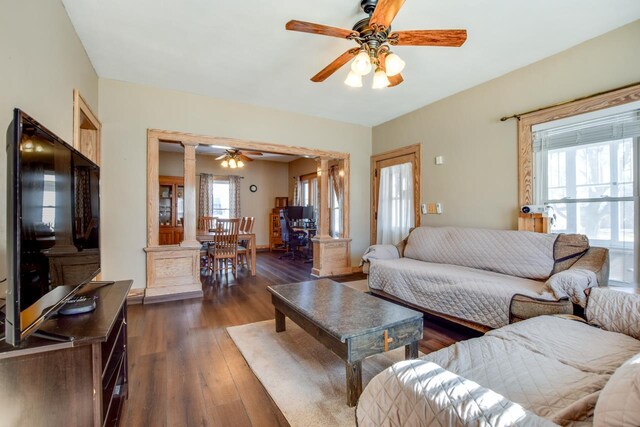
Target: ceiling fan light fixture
(353, 80)
(361, 64)
(394, 64)
(232, 163)
(380, 79)
(225, 163)
(240, 163)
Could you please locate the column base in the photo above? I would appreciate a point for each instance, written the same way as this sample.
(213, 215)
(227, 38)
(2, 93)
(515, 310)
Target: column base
(331, 257)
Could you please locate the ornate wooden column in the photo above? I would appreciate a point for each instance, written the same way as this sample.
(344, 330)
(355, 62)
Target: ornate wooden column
(173, 271)
(189, 220)
(331, 255)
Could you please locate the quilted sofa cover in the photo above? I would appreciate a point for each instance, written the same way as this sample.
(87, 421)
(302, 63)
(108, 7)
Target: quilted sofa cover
(473, 274)
(545, 367)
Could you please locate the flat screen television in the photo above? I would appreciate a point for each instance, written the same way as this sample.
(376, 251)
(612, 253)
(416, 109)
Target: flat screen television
(53, 225)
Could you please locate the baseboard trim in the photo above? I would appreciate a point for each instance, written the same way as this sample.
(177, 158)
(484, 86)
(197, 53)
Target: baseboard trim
(173, 293)
(135, 296)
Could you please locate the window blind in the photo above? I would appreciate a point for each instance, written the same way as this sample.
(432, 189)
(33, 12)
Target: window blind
(617, 126)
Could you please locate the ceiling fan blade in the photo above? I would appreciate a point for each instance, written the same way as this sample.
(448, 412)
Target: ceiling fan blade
(221, 157)
(450, 38)
(253, 153)
(324, 30)
(393, 80)
(385, 11)
(335, 65)
(244, 158)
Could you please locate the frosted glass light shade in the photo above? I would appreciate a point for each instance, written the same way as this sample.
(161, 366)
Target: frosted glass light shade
(353, 79)
(393, 64)
(240, 163)
(232, 163)
(361, 64)
(224, 164)
(380, 80)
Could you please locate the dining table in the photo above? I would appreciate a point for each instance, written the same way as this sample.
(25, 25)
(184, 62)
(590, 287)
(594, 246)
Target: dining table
(205, 236)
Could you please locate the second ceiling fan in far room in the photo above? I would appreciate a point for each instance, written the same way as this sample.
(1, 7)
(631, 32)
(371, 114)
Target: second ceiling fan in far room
(375, 38)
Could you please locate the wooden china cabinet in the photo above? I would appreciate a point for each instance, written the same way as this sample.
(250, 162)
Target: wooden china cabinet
(171, 210)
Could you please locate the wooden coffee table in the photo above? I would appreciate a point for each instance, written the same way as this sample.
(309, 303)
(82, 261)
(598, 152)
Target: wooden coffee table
(352, 324)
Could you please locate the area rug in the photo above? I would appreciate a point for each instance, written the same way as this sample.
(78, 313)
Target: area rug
(305, 379)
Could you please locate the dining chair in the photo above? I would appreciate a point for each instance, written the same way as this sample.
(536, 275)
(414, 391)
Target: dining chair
(243, 245)
(223, 251)
(206, 223)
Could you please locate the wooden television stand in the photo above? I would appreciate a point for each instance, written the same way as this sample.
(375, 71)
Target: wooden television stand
(76, 383)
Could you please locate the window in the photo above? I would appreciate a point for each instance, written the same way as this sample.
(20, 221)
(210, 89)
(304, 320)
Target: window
(49, 200)
(335, 207)
(309, 192)
(221, 205)
(587, 171)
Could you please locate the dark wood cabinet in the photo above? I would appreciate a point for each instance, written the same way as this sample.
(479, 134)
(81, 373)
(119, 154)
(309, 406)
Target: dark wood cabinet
(171, 210)
(73, 383)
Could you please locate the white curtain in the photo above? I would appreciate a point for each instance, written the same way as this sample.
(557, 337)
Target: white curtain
(395, 203)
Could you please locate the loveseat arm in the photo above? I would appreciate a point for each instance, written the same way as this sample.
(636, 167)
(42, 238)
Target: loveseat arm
(374, 252)
(596, 259)
(614, 310)
(417, 392)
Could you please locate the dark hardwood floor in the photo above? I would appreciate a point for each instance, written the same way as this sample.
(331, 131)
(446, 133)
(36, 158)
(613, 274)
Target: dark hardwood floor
(186, 371)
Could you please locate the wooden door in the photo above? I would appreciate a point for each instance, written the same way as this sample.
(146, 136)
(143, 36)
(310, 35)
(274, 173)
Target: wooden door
(411, 154)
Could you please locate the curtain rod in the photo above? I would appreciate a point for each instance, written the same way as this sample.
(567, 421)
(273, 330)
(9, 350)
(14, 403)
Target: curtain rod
(517, 116)
(214, 174)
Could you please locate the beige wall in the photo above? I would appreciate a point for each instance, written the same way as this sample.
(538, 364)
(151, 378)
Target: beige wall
(127, 110)
(477, 183)
(269, 177)
(299, 167)
(42, 62)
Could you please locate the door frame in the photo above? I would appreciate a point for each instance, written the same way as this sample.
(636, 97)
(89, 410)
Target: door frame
(414, 152)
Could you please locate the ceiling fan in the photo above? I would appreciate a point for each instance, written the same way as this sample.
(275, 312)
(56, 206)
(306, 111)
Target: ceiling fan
(374, 37)
(235, 158)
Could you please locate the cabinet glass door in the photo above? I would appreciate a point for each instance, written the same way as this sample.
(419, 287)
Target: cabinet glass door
(179, 205)
(165, 205)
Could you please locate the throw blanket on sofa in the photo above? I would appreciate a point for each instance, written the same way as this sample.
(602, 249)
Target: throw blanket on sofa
(550, 366)
(516, 253)
(480, 296)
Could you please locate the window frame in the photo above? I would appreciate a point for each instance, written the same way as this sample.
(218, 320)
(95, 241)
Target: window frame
(526, 122)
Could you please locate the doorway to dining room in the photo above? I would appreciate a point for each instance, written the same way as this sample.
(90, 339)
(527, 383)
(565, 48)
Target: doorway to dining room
(237, 179)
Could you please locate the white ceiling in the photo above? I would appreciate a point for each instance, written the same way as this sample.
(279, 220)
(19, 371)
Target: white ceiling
(240, 51)
(217, 150)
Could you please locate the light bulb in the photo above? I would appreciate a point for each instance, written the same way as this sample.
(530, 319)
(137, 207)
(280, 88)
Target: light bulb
(361, 64)
(393, 64)
(380, 79)
(39, 149)
(240, 163)
(353, 79)
(225, 163)
(232, 163)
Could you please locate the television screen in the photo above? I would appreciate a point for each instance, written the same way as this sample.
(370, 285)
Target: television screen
(53, 224)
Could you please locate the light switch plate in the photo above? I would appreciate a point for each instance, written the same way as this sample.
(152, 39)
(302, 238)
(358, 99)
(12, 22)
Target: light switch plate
(438, 208)
(439, 160)
(431, 208)
(423, 208)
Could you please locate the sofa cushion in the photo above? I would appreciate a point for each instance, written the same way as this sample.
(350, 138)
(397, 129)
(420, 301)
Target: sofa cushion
(516, 253)
(479, 296)
(619, 401)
